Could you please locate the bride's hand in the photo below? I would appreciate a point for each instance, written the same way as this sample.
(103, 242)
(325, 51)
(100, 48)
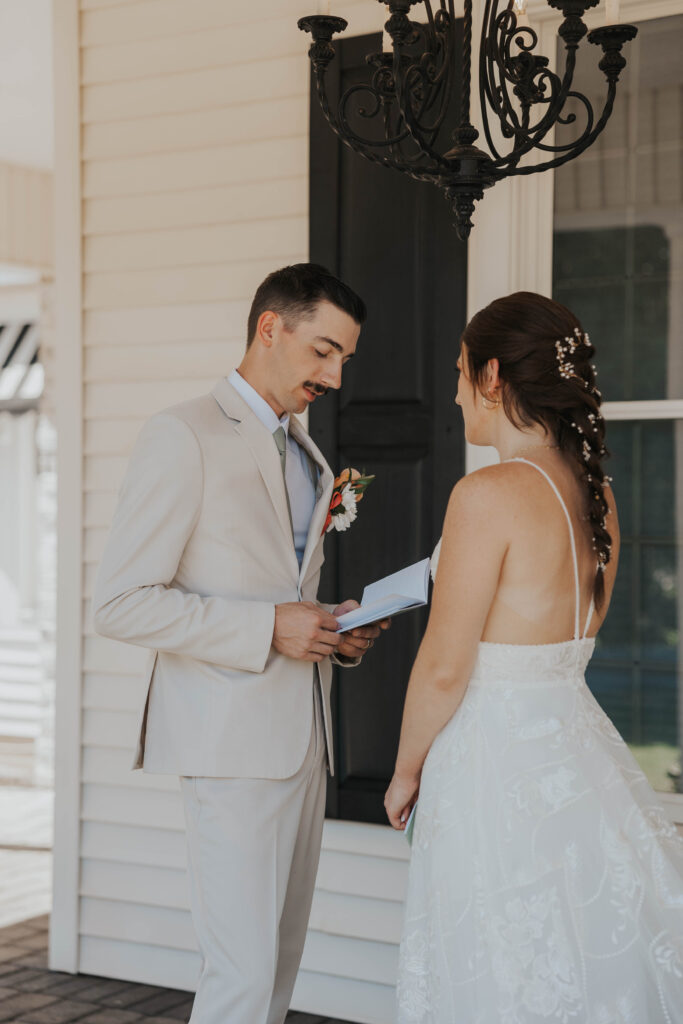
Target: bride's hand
(399, 800)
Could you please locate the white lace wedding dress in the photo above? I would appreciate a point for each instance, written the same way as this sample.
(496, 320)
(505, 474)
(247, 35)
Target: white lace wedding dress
(546, 883)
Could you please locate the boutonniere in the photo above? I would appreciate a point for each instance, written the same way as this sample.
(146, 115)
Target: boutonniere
(349, 488)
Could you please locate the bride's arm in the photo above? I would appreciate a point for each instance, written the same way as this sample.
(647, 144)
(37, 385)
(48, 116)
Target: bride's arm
(475, 541)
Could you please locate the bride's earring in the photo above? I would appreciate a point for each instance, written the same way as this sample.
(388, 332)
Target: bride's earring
(493, 403)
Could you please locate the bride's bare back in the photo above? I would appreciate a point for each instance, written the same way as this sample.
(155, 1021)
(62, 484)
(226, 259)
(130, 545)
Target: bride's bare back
(534, 599)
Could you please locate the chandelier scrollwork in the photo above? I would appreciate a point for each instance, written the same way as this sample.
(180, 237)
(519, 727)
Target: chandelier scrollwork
(395, 118)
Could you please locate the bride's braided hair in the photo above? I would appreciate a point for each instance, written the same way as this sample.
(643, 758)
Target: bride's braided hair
(548, 379)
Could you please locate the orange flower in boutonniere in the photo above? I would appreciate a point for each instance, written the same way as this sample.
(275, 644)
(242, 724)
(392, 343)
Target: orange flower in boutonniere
(349, 488)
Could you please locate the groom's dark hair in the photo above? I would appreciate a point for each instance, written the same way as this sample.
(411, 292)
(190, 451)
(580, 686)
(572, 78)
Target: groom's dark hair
(294, 293)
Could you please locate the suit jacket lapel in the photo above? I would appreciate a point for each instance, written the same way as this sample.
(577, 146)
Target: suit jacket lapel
(264, 451)
(323, 493)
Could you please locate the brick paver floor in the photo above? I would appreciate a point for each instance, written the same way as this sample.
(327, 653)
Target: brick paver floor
(32, 994)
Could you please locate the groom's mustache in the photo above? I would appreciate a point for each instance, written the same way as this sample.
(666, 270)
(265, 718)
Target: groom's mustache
(317, 389)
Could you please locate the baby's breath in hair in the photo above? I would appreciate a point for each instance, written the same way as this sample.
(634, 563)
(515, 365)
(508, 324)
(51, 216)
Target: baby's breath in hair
(549, 380)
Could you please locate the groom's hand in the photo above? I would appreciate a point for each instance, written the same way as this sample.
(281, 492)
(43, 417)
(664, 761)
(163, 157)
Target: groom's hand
(305, 631)
(358, 642)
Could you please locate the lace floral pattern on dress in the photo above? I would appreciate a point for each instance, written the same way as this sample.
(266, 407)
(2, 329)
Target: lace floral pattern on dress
(546, 883)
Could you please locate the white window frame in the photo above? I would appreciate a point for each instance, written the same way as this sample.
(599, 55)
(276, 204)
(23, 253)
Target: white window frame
(510, 248)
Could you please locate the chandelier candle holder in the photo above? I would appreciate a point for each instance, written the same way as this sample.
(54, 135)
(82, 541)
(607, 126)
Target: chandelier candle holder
(411, 88)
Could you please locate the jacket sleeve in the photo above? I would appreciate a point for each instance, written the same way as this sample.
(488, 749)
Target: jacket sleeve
(135, 597)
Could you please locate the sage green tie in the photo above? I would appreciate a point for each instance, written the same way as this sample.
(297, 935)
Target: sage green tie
(280, 438)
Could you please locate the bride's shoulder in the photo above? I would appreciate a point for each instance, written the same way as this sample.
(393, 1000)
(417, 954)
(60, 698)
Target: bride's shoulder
(484, 494)
(489, 481)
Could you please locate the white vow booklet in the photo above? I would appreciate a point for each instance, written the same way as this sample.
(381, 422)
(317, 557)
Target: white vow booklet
(397, 593)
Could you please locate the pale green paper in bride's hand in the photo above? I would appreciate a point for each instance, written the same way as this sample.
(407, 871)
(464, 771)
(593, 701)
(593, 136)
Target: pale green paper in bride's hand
(410, 825)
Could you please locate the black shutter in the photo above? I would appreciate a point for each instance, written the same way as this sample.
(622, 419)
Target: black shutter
(391, 239)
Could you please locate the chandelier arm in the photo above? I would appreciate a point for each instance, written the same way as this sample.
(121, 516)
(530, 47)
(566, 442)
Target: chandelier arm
(570, 119)
(511, 122)
(422, 135)
(414, 128)
(434, 87)
(497, 95)
(560, 92)
(496, 61)
(344, 122)
(583, 144)
(391, 131)
(434, 90)
(539, 131)
(546, 122)
(534, 140)
(360, 146)
(485, 92)
(430, 15)
(445, 101)
(431, 130)
(444, 78)
(446, 70)
(525, 61)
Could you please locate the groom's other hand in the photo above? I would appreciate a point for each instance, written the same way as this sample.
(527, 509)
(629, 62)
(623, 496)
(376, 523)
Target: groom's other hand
(305, 631)
(358, 642)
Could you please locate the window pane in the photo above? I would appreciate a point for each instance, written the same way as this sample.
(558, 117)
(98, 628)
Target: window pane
(636, 670)
(618, 242)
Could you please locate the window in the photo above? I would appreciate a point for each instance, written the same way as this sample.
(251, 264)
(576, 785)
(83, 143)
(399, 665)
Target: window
(618, 264)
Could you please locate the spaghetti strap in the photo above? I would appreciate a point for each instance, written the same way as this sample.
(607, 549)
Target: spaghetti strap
(577, 634)
(591, 609)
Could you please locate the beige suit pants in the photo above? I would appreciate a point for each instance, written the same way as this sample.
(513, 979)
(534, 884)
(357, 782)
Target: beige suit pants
(253, 850)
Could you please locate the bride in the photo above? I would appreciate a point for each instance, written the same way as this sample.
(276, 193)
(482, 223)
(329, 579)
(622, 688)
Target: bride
(545, 883)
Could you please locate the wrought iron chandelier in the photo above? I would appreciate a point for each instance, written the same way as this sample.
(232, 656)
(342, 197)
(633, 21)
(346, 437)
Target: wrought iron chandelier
(411, 88)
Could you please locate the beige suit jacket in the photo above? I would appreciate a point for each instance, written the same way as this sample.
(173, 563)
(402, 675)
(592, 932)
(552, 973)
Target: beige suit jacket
(199, 554)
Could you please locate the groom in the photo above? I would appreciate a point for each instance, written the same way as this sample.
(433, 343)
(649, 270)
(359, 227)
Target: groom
(213, 563)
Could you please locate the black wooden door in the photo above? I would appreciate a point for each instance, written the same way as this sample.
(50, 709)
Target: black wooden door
(392, 240)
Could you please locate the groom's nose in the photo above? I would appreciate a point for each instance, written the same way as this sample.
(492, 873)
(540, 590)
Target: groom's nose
(333, 377)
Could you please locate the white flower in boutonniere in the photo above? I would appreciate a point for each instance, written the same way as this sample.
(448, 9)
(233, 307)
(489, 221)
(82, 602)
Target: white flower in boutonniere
(348, 490)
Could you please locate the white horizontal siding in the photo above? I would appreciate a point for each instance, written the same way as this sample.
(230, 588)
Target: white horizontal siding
(130, 805)
(99, 506)
(142, 885)
(194, 124)
(269, 119)
(150, 963)
(103, 655)
(151, 19)
(201, 49)
(194, 247)
(245, 201)
(165, 324)
(234, 280)
(130, 361)
(365, 1002)
(130, 844)
(202, 90)
(234, 164)
(137, 400)
(109, 765)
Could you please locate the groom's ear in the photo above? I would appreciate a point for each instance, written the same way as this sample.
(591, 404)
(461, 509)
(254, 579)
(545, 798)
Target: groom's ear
(266, 327)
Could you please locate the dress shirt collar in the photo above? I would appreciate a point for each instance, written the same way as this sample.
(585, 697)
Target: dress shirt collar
(258, 405)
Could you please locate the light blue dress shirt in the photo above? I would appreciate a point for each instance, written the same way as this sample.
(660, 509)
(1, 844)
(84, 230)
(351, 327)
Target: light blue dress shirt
(300, 486)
